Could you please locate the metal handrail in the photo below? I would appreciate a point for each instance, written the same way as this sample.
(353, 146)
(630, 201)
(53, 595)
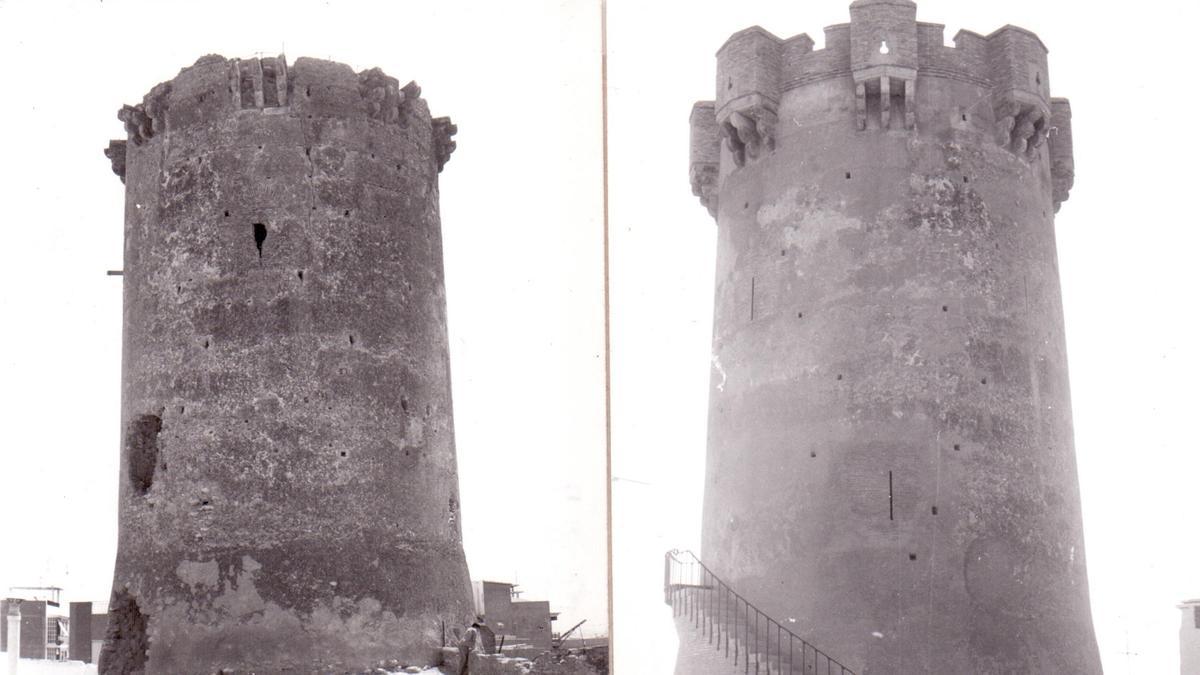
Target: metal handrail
(694, 591)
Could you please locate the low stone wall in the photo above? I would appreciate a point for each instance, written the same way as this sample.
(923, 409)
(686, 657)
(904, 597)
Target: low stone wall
(546, 663)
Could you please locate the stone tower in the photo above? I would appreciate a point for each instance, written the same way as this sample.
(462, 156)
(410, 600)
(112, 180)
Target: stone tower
(289, 492)
(891, 467)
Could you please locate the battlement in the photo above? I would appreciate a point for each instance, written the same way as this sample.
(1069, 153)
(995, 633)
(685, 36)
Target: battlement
(885, 52)
(215, 88)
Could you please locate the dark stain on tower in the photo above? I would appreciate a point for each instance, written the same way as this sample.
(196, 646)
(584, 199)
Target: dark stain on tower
(280, 507)
(894, 475)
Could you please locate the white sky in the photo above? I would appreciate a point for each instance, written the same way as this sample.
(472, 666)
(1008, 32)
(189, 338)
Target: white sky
(521, 218)
(1128, 241)
(521, 215)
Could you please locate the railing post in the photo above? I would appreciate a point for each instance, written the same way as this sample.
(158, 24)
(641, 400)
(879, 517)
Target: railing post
(708, 597)
(747, 645)
(666, 577)
(707, 610)
(757, 651)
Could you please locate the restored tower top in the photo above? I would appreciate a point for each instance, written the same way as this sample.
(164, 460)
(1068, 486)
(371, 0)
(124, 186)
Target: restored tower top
(884, 53)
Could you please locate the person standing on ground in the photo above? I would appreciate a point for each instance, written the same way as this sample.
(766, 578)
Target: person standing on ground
(487, 638)
(465, 646)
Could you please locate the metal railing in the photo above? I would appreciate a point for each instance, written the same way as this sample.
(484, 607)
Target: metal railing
(737, 628)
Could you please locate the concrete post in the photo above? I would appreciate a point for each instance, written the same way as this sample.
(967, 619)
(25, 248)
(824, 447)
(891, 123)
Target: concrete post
(14, 635)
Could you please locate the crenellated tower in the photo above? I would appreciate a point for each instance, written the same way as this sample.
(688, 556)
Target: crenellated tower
(288, 486)
(891, 467)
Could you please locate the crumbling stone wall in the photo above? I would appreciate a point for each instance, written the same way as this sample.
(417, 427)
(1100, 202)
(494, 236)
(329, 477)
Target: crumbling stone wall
(591, 662)
(289, 495)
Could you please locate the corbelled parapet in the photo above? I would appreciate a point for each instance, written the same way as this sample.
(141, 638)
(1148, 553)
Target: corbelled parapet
(288, 490)
(705, 164)
(748, 93)
(216, 87)
(1062, 157)
(882, 53)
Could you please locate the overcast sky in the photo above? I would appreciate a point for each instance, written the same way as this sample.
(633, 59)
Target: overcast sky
(521, 217)
(521, 208)
(1127, 244)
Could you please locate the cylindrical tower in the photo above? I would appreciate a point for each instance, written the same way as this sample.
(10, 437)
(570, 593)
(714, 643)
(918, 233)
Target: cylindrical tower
(891, 468)
(289, 492)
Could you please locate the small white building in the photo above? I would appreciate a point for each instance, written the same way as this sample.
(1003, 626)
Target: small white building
(1189, 638)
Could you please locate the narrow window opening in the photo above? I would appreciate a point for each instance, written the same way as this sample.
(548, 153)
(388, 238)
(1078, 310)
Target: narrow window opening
(933, 510)
(342, 453)
(839, 376)
(745, 206)
(206, 344)
(260, 236)
(308, 152)
(752, 298)
(783, 251)
(351, 339)
(945, 308)
(891, 499)
(226, 214)
(270, 93)
(729, 85)
(799, 315)
(964, 117)
(983, 381)
(966, 179)
(404, 404)
(300, 274)
(246, 89)
(847, 175)
(957, 447)
(912, 556)
(813, 454)
(897, 101)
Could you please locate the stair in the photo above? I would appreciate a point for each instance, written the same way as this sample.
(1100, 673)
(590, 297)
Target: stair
(721, 633)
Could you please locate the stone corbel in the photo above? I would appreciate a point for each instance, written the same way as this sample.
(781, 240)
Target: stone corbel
(382, 95)
(1021, 126)
(137, 123)
(443, 145)
(704, 178)
(749, 133)
(115, 152)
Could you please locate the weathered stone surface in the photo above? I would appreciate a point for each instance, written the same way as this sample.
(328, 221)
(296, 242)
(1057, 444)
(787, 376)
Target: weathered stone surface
(891, 466)
(589, 662)
(289, 492)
